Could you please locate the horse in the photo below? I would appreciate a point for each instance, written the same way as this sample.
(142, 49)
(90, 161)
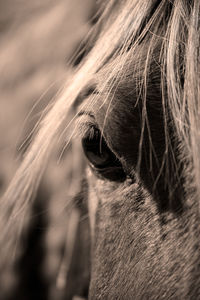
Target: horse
(135, 100)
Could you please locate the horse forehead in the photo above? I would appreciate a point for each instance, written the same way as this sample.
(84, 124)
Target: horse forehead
(119, 108)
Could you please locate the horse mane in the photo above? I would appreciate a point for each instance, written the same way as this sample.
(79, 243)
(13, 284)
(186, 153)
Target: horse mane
(121, 28)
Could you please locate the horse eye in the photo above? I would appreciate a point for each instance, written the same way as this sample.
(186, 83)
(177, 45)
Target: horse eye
(101, 159)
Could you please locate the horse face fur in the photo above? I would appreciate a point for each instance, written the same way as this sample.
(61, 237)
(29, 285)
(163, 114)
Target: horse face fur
(143, 237)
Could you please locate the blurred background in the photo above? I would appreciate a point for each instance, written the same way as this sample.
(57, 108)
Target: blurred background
(37, 40)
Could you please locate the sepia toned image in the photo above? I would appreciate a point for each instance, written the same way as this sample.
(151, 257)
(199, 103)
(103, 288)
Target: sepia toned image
(99, 150)
(39, 40)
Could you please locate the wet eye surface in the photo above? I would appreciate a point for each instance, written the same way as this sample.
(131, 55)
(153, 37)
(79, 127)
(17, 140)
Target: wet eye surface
(102, 160)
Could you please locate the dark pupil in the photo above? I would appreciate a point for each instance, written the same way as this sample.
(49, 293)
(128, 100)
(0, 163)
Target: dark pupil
(97, 151)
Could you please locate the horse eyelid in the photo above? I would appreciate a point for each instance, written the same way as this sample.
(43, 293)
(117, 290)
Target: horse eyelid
(85, 113)
(85, 124)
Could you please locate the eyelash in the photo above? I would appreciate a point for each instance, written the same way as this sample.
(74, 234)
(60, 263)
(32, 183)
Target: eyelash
(102, 160)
